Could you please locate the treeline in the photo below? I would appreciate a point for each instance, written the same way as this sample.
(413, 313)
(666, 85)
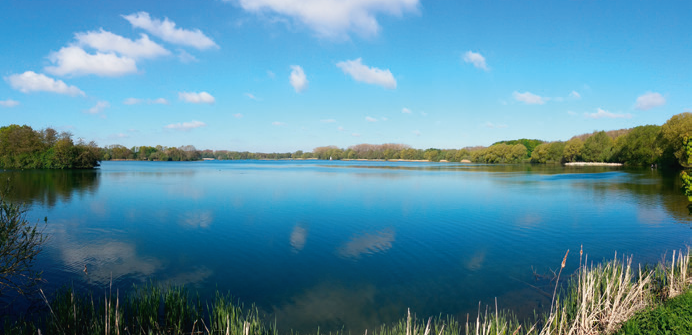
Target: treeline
(643, 145)
(21, 147)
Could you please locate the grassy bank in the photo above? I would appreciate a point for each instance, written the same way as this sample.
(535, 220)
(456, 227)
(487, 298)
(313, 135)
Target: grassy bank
(596, 299)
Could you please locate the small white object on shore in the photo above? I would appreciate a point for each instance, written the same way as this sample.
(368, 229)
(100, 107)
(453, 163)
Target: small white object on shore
(592, 164)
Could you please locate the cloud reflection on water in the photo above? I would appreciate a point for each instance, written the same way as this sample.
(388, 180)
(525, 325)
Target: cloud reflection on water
(367, 244)
(298, 237)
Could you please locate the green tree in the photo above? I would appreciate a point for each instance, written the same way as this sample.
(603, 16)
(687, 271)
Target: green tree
(572, 150)
(20, 243)
(597, 148)
(638, 147)
(671, 139)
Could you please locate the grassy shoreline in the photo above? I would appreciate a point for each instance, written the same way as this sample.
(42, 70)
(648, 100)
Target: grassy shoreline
(597, 299)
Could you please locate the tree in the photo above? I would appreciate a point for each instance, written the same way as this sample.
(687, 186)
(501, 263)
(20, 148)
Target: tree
(572, 151)
(20, 243)
(638, 147)
(597, 148)
(671, 139)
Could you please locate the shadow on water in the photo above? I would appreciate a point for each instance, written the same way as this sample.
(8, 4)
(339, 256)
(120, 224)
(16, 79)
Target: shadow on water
(47, 187)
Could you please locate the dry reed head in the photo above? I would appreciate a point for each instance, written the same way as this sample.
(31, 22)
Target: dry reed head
(565, 259)
(581, 250)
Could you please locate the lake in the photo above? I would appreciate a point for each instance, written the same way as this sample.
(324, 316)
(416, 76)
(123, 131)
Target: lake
(348, 244)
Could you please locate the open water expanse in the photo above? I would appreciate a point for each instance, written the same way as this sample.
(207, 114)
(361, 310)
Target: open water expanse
(348, 244)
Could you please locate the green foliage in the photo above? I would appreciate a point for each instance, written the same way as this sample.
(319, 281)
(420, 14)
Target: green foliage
(639, 146)
(597, 148)
(572, 150)
(672, 138)
(500, 153)
(23, 148)
(529, 144)
(20, 243)
(673, 317)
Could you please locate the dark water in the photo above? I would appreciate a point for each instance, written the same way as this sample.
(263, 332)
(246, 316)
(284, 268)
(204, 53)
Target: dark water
(348, 244)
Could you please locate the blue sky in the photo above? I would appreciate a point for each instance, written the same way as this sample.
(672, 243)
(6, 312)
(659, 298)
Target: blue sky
(287, 75)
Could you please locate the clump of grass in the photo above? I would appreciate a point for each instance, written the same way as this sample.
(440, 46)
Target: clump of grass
(672, 317)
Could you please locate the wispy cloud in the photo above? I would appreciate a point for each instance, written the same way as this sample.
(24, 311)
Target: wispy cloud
(98, 108)
(251, 96)
(9, 103)
(278, 123)
(328, 121)
(186, 126)
(340, 128)
(196, 98)
(31, 81)
(495, 126)
(106, 41)
(370, 75)
(476, 59)
(238, 115)
(406, 110)
(298, 79)
(370, 119)
(604, 114)
(332, 18)
(135, 101)
(649, 100)
(167, 31)
(575, 95)
(355, 134)
(529, 98)
(416, 132)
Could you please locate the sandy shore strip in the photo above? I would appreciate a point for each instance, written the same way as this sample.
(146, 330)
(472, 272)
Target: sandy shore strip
(592, 164)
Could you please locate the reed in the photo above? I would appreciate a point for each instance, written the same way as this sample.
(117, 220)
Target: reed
(597, 299)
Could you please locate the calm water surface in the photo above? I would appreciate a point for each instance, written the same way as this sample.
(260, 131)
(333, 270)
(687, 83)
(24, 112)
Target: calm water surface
(347, 244)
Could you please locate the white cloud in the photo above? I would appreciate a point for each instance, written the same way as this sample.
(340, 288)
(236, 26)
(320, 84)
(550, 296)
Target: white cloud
(298, 79)
(384, 118)
(238, 115)
(340, 128)
(604, 114)
(196, 98)
(416, 132)
(106, 41)
(135, 101)
(495, 126)
(572, 113)
(185, 126)
(406, 110)
(31, 81)
(73, 60)
(167, 31)
(9, 103)
(529, 98)
(98, 108)
(271, 74)
(476, 59)
(575, 95)
(370, 75)
(332, 18)
(370, 119)
(355, 134)
(328, 121)
(277, 123)
(186, 57)
(650, 100)
(251, 96)
(132, 101)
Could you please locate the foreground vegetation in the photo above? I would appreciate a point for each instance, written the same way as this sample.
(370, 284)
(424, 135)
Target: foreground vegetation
(643, 145)
(596, 299)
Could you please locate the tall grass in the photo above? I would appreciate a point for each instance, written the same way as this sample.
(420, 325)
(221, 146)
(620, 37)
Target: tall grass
(596, 299)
